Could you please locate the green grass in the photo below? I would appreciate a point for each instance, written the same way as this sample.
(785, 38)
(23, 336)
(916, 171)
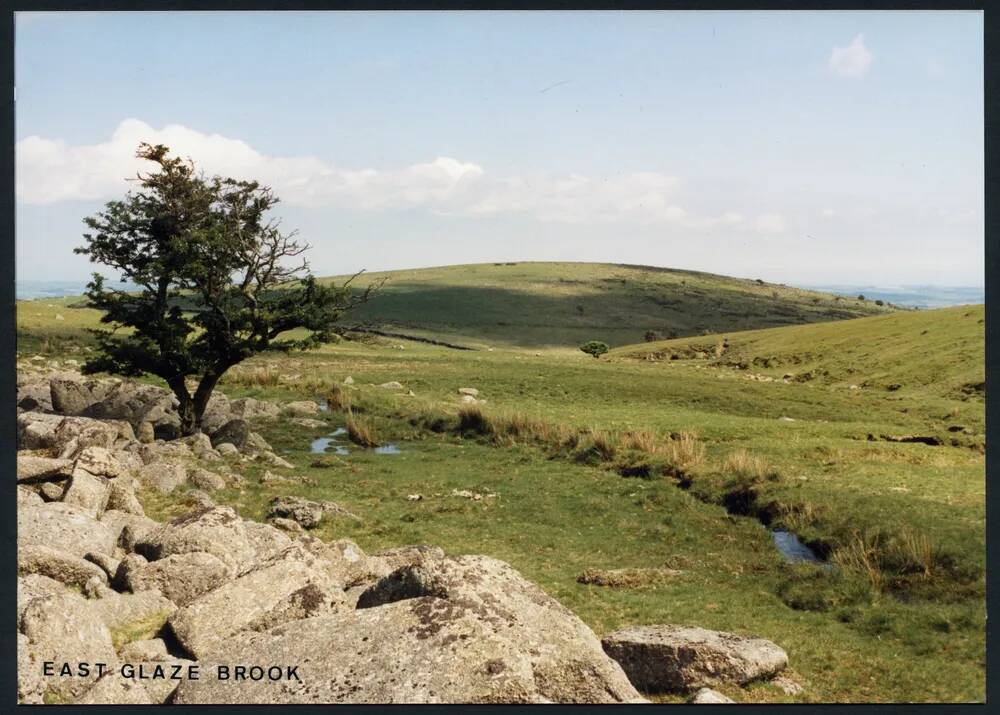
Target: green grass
(912, 512)
(566, 304)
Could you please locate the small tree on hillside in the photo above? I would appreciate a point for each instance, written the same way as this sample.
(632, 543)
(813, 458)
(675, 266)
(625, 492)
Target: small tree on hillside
(651, 336)
(215, 287)
(595, 348)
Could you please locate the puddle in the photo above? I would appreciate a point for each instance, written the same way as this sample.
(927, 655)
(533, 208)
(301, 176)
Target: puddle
(792, 549)
(325, 445)
(324, 406)
(333, 444)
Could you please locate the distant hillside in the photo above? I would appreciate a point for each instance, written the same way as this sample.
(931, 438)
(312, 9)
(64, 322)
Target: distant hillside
(935, 352)
(564, 304)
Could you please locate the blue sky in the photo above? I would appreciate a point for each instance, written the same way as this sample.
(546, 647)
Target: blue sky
(797, 147)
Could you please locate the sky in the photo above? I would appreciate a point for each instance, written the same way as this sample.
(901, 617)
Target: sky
(798, 147)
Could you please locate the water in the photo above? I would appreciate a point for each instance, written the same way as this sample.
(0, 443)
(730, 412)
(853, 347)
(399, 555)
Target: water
(332, 443)
(323, 446)
(792, 549)
(33, 289)
(911, 296)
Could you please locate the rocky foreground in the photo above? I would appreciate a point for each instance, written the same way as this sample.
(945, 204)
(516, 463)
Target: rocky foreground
(114, 607)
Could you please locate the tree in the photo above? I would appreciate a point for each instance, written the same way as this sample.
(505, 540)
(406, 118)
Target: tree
(214, 282)
(595, 348)
(651, 336)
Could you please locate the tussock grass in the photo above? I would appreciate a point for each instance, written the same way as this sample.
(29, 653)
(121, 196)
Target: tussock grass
(361, 432)
(746, 469)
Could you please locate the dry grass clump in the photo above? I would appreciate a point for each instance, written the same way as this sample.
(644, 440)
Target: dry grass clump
(337, 398)
(596, 445)
(685, 453)
(746, 468)
(253, 377)
(861, 555)
(626, 578)
(472, 420)
(797, 517)
(361, 432)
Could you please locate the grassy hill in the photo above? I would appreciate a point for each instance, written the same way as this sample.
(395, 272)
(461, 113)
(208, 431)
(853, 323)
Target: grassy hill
(565, 304)
(922, 353)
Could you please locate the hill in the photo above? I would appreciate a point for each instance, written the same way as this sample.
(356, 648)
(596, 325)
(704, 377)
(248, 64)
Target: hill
(935, 352)
(564, 304)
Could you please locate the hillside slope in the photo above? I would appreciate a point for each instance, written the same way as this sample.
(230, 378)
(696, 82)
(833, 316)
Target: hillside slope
(565, 304)
(934, 352)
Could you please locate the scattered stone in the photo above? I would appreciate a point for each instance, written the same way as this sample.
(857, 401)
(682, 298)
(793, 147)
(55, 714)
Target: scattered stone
(250, 408)
(707, 696)
(27, 497)
(348, 380)
(64, 528)
(108, 564)
(209, 481)
(147, 610)
(86, 491)
(182, 578)
(121, 497)
(302, 511)
(63, 629)
(393, 385)
(52, 491)
(682, 658)
(113, 689)
(302, 408)
(485, 635)
(32, 586)
(414, 497)
(164, 476)
(308, 423)
(32, 468)
(234, 432)
(286, 525)
(787, 685)
(287, 587)
(274, 460)
(218, 531)
(127, 527)
(471, 391)
(146, 434)
(227, 449)
(154, 649)
(57, 565)
(198, 499)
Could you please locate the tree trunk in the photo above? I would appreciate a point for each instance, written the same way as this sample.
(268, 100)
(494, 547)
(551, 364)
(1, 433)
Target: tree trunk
(186, 408)
(202, 396)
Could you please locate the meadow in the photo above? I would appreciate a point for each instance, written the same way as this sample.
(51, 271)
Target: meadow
(672, 454)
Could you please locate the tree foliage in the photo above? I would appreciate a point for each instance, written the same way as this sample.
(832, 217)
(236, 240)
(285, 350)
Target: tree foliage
(218, 281)
(595, 348)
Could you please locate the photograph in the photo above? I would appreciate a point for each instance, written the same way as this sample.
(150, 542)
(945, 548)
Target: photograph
(499, 356)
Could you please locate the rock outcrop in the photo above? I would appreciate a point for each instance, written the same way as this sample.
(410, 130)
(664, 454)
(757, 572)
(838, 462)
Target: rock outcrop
(682, 658)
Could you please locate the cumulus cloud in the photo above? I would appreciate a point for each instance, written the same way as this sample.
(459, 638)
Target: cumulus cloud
(769, 223)
(854, 60)
(50, 171)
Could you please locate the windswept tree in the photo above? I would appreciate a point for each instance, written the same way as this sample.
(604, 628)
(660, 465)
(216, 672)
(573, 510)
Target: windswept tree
(218, 281)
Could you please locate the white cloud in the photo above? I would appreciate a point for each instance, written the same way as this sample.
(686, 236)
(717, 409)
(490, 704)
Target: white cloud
(50, 171)
(852, 61)
(769, 223)
(828, 213)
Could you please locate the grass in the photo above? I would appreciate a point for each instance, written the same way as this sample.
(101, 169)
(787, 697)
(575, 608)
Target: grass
(539, 304)
(903, 522)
